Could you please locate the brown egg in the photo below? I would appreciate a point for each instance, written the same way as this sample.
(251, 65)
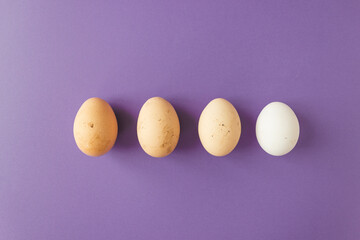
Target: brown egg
(158, 127)
(95, 127)
(219, 127)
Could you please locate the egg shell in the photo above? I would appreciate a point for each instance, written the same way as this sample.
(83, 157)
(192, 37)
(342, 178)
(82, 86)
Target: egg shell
(95, 127)
(277, 129)
(158, 127)
(219, 127)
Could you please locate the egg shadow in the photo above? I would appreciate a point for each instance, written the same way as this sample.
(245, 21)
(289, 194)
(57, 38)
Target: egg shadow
(307, 133)
(248, 136)
(127, 136)
(188, 130)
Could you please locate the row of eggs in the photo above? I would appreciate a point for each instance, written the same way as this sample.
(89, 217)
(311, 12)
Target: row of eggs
(158, 127)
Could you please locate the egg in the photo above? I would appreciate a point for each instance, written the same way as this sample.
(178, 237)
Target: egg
(277, 129)
(219, 127)
(95, 127)
(158, 127)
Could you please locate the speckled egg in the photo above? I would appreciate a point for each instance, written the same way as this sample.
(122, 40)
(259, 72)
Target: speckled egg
(158, 127)
(219, 127)
(95, 127)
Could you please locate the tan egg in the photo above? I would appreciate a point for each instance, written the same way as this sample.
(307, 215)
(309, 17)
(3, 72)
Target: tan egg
(158, 127)
(219, 127)
(95, 127)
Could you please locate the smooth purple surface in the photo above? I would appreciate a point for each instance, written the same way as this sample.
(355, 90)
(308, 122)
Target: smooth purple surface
(56, 54)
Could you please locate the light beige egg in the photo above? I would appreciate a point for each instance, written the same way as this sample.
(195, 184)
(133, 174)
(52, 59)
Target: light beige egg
(158, 127)
(219, 127)
(95, 127)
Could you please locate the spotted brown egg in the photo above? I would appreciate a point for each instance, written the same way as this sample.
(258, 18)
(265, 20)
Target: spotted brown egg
(95, 127)
(158, 127)
(219, 127)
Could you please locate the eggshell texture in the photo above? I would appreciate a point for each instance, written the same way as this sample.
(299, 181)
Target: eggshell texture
(219, 127)
(277, 129)
(95, 127)
(158, 127)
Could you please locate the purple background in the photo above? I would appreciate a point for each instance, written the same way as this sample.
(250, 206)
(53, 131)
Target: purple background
(56, 54)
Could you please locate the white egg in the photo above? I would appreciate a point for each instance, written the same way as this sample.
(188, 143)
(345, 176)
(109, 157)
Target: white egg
(277, 129)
